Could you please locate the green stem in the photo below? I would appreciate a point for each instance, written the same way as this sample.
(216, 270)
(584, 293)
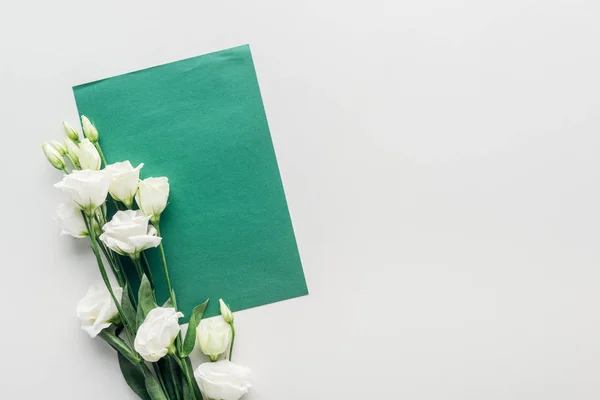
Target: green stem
(174, 379)
(73, 163)
(232, 340)
(113, 267)
(147, 269)
(160, 379)
(138, 266)
(124, 318)
(165, 268)
(97, 146)
(119, 345)
(184, 368)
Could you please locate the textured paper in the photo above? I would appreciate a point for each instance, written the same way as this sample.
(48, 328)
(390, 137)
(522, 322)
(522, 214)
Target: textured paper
(201, 122)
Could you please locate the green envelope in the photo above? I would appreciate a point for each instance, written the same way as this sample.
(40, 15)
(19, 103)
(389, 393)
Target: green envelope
(201, 123)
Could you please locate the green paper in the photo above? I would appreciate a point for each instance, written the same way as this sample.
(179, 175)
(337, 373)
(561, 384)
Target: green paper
(201, 122)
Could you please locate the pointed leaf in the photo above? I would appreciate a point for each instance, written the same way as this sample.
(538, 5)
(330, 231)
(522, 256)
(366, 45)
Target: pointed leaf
(153, 386)
(128, 307)
(187, 393)
(188, 362)
(118, 344)
(170, 374)
(190, 337)
(134, 377)
(146, 301)
(169, 302)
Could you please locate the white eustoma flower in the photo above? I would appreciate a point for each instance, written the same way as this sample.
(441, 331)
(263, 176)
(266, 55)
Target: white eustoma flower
(222, 380)
(97, 310)
(214, 336)
(71, 220)
(125, 180)
(156, 335)
(128, 233)
(71, 132)
(225, 312)
(88, 189)
(89, 158)
(89, 129)
(53, 156)
(152, 197)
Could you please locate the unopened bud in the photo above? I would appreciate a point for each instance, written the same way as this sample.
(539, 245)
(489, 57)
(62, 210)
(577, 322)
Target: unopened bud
(71, 132)
(72, 150)
(89, 130)
(62, 150)
(53, 156)
(226, 312)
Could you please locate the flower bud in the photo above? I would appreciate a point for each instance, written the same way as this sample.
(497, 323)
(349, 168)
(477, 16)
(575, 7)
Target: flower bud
(214, 337)
(53, 156)
(62, 150)
(72, 150)
(226, 312)
(89, 130)
(71, 132)
(89, 158)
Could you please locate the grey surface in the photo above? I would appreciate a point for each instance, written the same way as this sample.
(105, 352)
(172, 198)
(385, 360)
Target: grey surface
(440, 160)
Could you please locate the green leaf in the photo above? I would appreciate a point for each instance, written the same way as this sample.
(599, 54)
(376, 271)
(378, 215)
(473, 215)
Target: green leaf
(169, 302)
(187, 394)
(146, 301)
(128, 307)
(118, 344)
(188, 362)
(134, 377)
(153, 386)
(170, 374)
(190, 337)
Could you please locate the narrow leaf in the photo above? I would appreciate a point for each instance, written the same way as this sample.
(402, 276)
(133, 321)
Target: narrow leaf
(128, 307)
(118, 344)
(170, 375)
(190, 337)
(153, 386)
(188, 362)
(169, 302)
(146, 301)
(134, 377)
(187, 393)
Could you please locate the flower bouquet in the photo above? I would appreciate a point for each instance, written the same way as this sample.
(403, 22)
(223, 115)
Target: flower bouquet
(153, 354)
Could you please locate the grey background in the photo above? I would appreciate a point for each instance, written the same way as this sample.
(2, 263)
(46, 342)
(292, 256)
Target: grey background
(440, 162)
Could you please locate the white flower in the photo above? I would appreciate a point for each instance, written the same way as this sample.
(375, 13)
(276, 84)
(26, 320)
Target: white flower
(89, 158)
(71, 220)
(225, 312)
(125, 180)
(97, 310)
(152, 197)
(156, 335)
(128, 233)
(53, 156)
(89, 129)
(214, 336)
(72, 150)
(71, 132)
(222, 380)
(88, 189)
